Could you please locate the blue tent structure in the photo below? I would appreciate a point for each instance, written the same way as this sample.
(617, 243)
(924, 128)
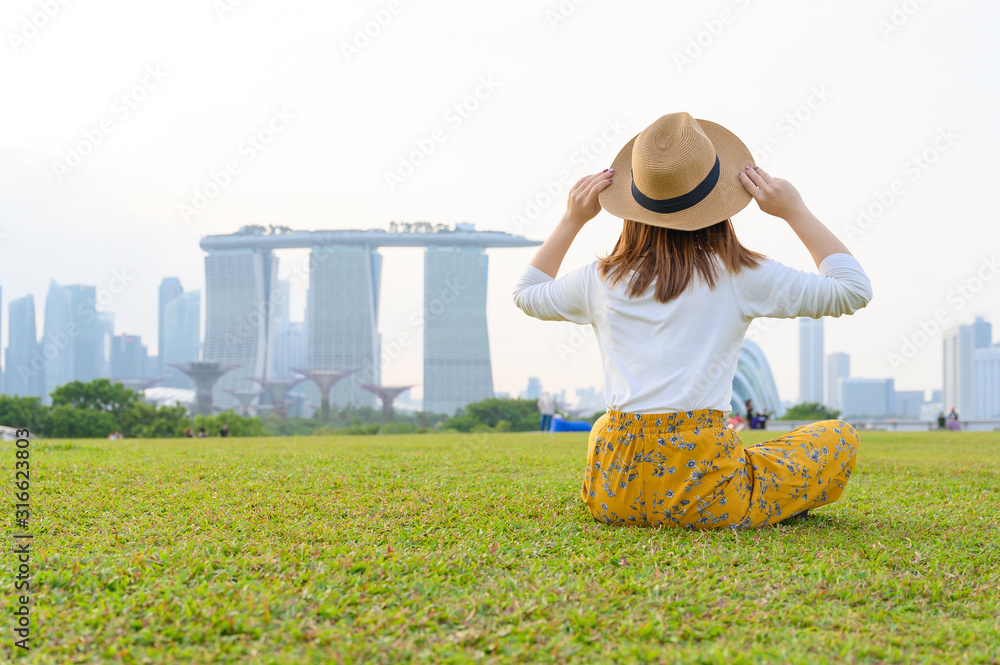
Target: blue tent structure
(563, 425)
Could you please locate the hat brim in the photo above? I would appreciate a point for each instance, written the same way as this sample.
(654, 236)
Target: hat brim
(726, 199)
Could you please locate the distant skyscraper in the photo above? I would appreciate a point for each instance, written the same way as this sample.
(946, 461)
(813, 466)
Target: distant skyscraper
(342, 311)
(25, 374)
(457, 369)
(239, 290)
(88, 353)
(810, 360)
(282, 303)
(170, 288)
(838, 366)
(986, 369)
(867, 398)
(128, 358)
(57, 341)
(344, 285)
(291, 350)
(105, 335)
(590, 400)
(71, 344)
(180, 329)
(959, 382)
(907, 403)
(534, 390)
(982, 333)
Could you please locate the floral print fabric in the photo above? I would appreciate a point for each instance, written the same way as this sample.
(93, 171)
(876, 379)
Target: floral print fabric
(687, 469)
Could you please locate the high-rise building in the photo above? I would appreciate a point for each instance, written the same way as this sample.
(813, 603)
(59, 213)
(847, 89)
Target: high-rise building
(982, 333)
(867, 398)
(282, 304)
(810, 360)
(291, 350)
(57, 340)
(170, 288)
(239, 292)
(457, 369)
(25, 372)
(959, 382)
(342, 305)
(88, 353)
(986, 369)
(180, 328)
(343, 320)
(908, 403)
(105, 335)
(534, 390)
(838, 366)
(590, 400)
(128, 358)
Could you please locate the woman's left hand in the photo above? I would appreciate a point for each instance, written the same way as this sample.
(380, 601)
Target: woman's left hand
(583, 204)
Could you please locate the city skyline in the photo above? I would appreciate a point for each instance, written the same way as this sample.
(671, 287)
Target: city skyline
(498, 141)
(83, 297)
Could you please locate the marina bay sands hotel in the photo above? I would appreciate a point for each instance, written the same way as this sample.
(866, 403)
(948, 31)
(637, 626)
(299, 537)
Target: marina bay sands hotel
(344, 275)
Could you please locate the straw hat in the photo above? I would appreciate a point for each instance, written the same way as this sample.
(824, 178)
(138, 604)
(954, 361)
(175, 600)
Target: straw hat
(679, 173)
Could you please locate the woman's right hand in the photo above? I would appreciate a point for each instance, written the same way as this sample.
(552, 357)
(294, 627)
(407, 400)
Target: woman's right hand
(774, 196)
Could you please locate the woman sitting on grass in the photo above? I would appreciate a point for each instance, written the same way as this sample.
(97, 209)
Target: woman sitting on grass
(670, 307)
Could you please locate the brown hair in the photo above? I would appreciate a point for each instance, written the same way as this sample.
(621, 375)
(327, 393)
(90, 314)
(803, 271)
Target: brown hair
(672, 257)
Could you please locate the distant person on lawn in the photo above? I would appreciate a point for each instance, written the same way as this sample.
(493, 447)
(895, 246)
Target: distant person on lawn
(953, 423)
(670, 307)
(547, 407)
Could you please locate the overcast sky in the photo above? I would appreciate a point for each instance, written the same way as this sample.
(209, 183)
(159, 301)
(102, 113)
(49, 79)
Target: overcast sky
(117, 114)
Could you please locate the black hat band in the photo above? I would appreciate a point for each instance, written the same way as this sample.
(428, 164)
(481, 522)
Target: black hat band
(682, 202)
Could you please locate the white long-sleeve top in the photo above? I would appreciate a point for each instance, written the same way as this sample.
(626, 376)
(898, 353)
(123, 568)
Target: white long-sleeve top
(681, 355)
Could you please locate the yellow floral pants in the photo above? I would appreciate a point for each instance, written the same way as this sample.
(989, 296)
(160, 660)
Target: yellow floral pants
(688, 469)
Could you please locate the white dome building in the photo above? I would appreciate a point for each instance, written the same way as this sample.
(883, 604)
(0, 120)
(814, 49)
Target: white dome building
(753, 381)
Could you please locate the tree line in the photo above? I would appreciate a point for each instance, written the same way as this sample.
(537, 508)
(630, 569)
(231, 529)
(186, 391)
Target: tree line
(97, 408)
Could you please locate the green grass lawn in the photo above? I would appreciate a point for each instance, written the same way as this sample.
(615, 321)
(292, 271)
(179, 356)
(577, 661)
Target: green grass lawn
(476, 548)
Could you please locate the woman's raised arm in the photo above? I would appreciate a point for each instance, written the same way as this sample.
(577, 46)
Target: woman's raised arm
(779, 198)
(582, 207)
